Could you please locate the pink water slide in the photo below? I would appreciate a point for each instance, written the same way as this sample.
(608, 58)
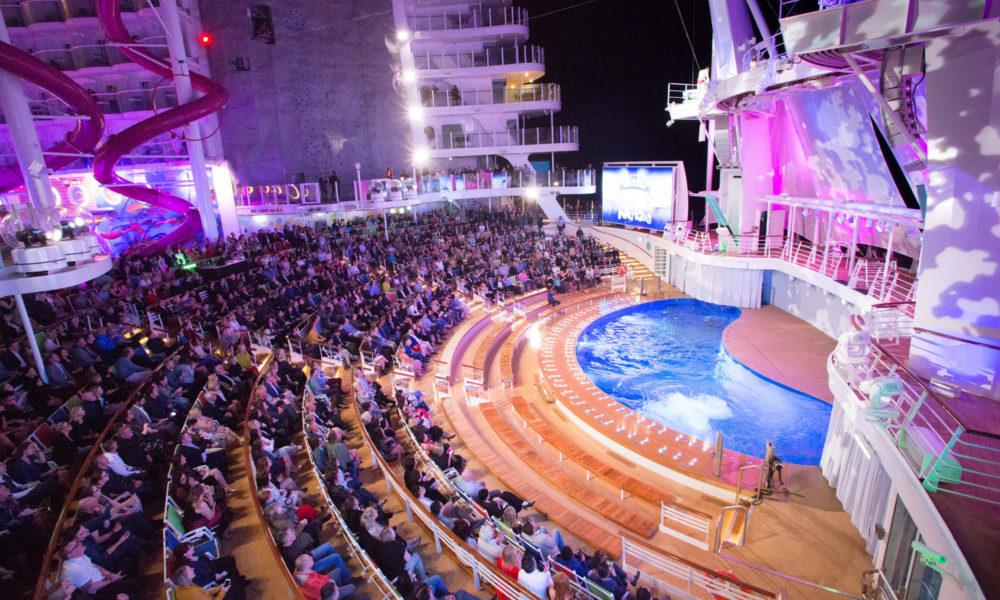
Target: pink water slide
(117, 145)
(81, 139)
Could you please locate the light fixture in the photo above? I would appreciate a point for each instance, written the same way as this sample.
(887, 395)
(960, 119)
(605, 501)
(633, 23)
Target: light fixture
(841, 217)
(531, 192)
(205, 39)
(880, 226)
(416, 113)
(421, 156)
(409, 76)
(403, 35)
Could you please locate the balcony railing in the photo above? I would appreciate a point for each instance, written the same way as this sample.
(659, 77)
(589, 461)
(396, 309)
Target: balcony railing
(489, 57)
(761, 52)
(491, 17)
(679, 93)
(869, 276)
(523, 137)
(532, 92)
(44, 11)
(949, 453)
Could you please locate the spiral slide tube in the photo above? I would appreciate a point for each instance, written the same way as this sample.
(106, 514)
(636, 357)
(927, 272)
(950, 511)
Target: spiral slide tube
(81, 139)
(117, 145)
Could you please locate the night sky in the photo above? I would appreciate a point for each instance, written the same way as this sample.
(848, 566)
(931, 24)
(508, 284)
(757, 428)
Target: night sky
(613, 60)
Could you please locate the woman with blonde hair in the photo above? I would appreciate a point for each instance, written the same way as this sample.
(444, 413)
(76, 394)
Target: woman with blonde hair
(561, 588)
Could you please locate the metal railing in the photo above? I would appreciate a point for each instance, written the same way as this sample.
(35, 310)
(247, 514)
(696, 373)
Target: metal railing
(760, 52)
(679, 93)
(490, 57)
(869, 276)
(531, 92)
(370, 571)
(482, 570)
(948, 453)
(489, 17)
(684, 577)
(531, 136)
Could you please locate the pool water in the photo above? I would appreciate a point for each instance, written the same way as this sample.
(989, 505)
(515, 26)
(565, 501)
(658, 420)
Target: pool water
(666, 361)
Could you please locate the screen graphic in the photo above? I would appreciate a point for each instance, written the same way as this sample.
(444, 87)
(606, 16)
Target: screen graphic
(638, 196)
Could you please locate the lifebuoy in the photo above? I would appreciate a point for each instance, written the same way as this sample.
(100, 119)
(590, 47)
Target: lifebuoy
(622, 269)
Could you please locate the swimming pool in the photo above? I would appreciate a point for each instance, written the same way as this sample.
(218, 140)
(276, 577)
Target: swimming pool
(666, 361)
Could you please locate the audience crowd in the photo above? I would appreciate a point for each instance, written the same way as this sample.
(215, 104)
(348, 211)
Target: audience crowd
(174, 395)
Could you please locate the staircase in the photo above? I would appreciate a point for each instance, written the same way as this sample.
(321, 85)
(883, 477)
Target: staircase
(901, 67)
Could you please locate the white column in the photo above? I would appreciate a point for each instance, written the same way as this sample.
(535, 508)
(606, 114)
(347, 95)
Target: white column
(854, 247)
(185, 93)
(29, 332)
(888, 259)
(23, 135)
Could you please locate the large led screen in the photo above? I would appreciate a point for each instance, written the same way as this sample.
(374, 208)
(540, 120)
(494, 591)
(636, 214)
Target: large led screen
(638, 196)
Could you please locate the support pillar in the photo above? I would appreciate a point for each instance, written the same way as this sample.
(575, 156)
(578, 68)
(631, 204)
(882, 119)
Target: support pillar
(185, 93)
(23, 135)
(29, 333)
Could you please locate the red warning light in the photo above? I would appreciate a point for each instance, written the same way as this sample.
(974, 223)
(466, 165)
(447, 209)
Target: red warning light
(206, 40)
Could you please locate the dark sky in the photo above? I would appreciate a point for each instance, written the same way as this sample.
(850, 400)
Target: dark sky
(613, 60)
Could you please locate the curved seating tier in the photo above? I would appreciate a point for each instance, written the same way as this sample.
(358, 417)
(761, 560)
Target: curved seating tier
(251, 473)
(67, 513)
(464, 554)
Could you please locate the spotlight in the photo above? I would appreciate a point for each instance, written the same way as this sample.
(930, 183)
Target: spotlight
(416, 113)
(409, 76)
(402, 35)
(421, 156)
(531, 192)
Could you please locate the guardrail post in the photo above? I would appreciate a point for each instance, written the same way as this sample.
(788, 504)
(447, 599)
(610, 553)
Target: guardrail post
(475, 574)
(437, 538)
(409, 511)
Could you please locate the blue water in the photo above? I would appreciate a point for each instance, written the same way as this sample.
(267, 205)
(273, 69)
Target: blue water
(665, 360)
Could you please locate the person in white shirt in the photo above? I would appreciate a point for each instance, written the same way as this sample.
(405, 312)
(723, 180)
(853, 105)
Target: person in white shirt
(490, 542)
(83, 573)
(115, 462)
(468, 485)
(537, 581)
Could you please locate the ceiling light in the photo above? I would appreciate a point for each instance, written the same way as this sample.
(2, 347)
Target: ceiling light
(402, 35)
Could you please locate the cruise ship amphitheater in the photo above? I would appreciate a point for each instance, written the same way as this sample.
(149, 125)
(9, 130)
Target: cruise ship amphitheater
(298, 302)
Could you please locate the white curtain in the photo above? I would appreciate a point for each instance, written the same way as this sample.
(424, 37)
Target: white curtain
(862, 484)
(720, 285)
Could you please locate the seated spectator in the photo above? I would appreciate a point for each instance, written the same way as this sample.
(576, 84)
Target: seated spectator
(186, 589)
(80, 570)
(536, 580)
(128, 370)
(313, 584)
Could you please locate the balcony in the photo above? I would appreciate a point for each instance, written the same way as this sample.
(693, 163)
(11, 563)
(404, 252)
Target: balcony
(501, 60)
(61, 58)
(478, 24)
(90, 56)
(541, 96)
(477, 18)
(13, 17)
(44, 11)
(540, 139)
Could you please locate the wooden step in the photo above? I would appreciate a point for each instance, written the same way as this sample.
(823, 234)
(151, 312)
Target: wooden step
(571, 487)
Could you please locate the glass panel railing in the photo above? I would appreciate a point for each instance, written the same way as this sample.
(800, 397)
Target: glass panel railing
(91, 55)
(489, 57)
(81, 9)
(522, 137)
(44, 11)
(61, 58)
(13, 17)
(491, 17)
(432, 97)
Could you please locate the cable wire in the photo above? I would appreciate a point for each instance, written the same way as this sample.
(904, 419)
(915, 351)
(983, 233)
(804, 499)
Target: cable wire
(686, 35)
